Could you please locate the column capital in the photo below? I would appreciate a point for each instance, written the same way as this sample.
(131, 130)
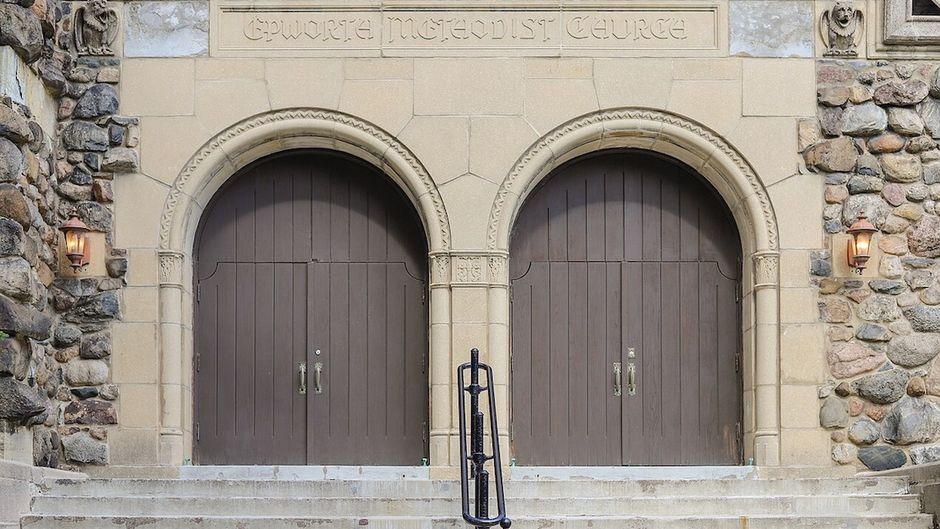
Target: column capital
(470, 269)
(171, 268)
(766, 269)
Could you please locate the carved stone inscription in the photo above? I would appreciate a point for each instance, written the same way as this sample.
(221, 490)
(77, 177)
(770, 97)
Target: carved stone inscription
(246, 28)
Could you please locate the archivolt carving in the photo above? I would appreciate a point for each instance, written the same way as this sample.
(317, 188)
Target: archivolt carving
(512, 185)
(219, 142)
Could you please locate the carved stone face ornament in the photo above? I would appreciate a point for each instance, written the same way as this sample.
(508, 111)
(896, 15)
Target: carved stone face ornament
(840, 28)
(95, 28)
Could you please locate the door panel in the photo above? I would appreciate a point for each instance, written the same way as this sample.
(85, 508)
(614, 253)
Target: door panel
(305, 252)
(612, 253)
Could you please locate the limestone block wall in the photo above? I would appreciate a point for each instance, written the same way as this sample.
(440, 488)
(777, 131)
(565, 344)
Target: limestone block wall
(61, 143)
(874, 144)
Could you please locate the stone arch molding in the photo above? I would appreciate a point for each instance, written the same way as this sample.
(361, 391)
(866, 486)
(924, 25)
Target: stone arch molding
(648, 129)
(216, 162)
(280, 130)
(739, 185)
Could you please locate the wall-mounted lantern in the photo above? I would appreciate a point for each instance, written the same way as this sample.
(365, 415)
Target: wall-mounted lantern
(76, 241)
(859, 251)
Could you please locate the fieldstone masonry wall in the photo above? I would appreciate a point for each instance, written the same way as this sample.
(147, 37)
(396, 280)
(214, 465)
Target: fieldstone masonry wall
(875, 144)
(55, 339)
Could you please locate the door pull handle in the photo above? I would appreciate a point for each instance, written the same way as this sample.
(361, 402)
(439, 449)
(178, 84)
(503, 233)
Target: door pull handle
(618, 382)
(317, 374)
(302, 372)
(631, 379)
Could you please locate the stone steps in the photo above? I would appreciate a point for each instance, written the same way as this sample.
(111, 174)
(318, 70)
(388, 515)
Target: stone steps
(450, 489)
(918, 521)
(399, 506)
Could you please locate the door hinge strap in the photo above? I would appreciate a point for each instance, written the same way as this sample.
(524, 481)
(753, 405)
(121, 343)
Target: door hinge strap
(197, 431)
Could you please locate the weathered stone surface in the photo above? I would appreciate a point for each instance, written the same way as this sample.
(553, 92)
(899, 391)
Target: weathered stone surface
(13, 205)
(99, 100)
(884, 387)
(901, 94)
(18, 401)
(85, 136)
(17, 279)
(96, 345)
(108, 392)
(925, 454)
(914, 350)
(893, 244)
(871, 332)
(24, 319)
(167, 29)
(847, 359)
(923, 318)
(98, 308)
(905, 121)
(20, 30)
(930, 113)
(834, 413)
(867, 119)
(90, 412)
(834, 310)
(97, 216)
(120, 160)
(830, 121)
(865, 184)
(924, 239)
(14, 358)
(81, 372)
(81, 447)
(12, 162)
(917, 387)
(918, 279)
(873, 206)
(882, 457)
(901, 167)
(909, 211)
(11, 237)
(886, 286)
(878, 308)
(843, 453)
(886, 143)
(914, 420)
(834, 156)
(13, 126)
(864, 432)
(45, 447)
(833, 96)
(85, 393)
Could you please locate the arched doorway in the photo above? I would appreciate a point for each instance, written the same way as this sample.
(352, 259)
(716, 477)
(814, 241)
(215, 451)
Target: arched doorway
(310, 262)
(626, 334)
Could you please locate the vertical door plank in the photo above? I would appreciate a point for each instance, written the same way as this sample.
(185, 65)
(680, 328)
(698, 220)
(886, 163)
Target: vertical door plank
(357, 381)
(578, 364)
(558, 349)
(671, 367)
(708, 343)
(689, 379)
(594, 449)
(634, 412)
(521, 376)
(540, 365)
(415, 377)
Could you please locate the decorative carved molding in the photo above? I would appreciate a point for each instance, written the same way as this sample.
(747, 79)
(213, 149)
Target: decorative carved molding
(511, 183)
(468, 269)
(440, 269)
(841, 29)
(95, 26)
(171, 268)
(766, 269)
(218, 143)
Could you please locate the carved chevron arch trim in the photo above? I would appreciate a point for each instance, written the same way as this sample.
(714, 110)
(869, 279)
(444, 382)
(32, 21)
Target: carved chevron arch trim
(511, 183)
(331, 119)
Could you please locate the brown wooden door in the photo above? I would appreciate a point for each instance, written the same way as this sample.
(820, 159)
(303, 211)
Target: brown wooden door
(625, 259)
(311, 258)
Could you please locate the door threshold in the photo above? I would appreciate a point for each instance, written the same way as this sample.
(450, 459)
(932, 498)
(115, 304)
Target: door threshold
(303, 472)
(633, 473)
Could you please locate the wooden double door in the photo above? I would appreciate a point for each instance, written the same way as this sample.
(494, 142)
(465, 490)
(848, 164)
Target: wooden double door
(311, 319)
(625, 318)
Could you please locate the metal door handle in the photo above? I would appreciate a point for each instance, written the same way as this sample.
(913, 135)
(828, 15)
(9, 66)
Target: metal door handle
(302, 371)
(317, 372)
(618, 383)
(631, 379)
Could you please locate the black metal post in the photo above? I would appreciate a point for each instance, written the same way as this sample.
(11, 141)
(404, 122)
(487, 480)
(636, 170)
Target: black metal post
(476, 460)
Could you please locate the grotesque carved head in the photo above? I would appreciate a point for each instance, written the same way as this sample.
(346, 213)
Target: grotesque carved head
(843, 13)
(97, 7)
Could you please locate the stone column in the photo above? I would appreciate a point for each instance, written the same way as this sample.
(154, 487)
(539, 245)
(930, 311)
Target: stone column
(498, 342)
(171, 358)
(766, 358)
(441, 379)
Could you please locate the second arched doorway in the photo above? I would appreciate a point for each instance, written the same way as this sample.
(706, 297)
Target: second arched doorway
(626, 334)
(310, 317)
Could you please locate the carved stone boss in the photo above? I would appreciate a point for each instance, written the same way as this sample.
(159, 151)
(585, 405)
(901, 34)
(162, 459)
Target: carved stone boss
(95, 26)
(841, 29)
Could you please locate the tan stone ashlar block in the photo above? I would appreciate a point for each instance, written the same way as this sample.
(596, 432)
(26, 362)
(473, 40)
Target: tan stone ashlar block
(304, 82)
(633, 82)
(770, 144)
(137, 197)
(216, 68)
(468, 86)
(805, 447)
(803, 354)
(558, 68)
(551, 102)
(441, 143)
(798, 305)
(469, 221)
(140, 304)
(383, 69)
(157, 87)
(794, 268)
(387, 103)
(222, 103)
(763, 87)
(496, 143)
(717, 103)
(799, 210)
(139, 406)
(800, 407)
(135, 353)
(167, 143)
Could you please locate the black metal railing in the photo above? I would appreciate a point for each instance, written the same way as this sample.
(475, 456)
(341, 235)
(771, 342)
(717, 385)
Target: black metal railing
(474, 463)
